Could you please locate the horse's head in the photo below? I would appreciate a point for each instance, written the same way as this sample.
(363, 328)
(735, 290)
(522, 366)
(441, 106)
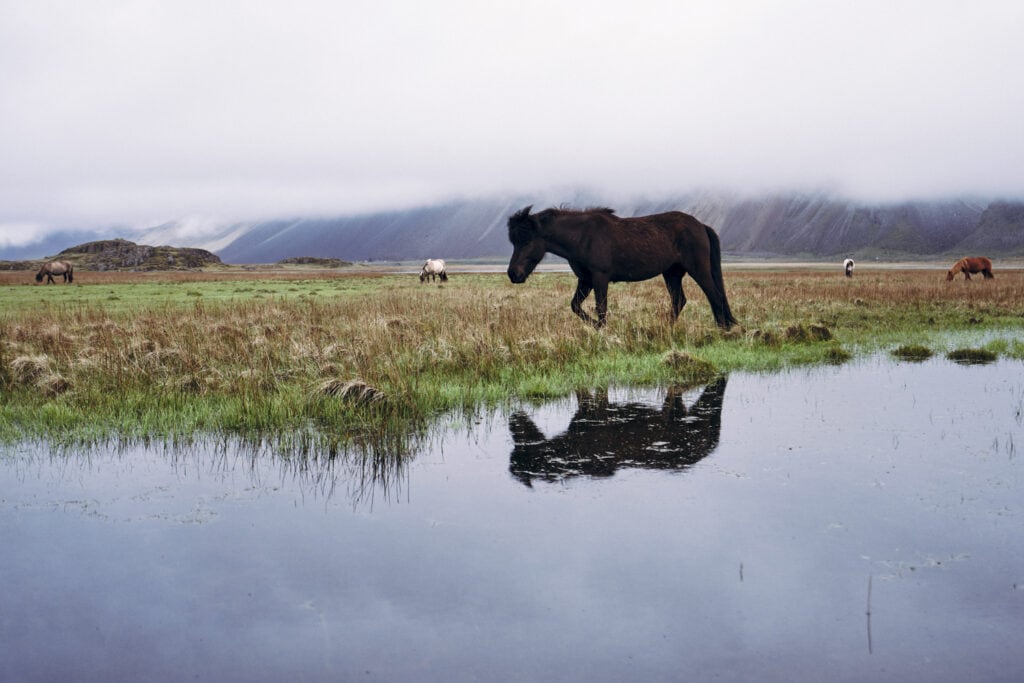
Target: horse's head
(39, 276)
(528, 247)
(949, 275)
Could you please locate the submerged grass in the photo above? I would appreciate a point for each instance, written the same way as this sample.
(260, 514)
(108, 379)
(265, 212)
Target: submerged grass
(913, 353)
(347, 359)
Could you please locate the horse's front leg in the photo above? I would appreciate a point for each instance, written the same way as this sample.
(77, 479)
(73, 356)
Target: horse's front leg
(967, 275)
(583, 288)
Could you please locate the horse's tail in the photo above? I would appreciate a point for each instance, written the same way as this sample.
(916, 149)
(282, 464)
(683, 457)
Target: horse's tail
(724, 317)
(71, 273)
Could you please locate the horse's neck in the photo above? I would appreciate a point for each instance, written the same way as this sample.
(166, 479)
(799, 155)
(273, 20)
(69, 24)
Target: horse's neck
(561, 242)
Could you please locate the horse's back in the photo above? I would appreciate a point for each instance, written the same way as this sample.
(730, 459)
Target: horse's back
(672, 225)
(976, 264)
(676, 220)
(637, 248)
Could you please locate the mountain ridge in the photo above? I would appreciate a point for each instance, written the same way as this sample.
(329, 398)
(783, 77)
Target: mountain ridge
(777, 226)
(783, 225)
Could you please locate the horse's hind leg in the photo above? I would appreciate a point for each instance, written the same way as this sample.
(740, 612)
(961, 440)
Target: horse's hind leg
(674, 283)
(716, 297)
(601, 302)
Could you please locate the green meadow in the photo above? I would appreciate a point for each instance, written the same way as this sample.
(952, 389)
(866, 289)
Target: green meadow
(305, 361)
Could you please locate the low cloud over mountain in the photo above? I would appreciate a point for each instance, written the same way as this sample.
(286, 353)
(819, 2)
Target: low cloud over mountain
(799, 226)
(781, 225)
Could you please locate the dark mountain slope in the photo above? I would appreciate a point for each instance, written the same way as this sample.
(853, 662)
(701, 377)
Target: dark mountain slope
(999, 232)
(802, 226)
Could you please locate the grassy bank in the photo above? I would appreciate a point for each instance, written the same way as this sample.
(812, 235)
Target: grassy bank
(320, 363)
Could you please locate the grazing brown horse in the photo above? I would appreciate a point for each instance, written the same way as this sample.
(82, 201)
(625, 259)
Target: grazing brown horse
(602, 248)
(971, 264)
(52, 268)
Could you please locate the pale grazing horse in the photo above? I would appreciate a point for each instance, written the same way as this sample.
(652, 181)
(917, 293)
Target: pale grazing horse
(51, 268)
(434, 268)
(848, 267)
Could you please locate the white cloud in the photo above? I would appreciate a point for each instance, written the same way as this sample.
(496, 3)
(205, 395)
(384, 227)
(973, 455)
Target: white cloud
(20, 234)
(140, 112)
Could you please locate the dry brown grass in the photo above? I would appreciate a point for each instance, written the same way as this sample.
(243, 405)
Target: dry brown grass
(476, 335)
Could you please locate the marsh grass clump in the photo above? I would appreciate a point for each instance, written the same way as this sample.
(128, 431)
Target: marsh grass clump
(807, 333)
(35, 372)
(1010, 348)
(27, 370)
(687, 367)
(914, 353)
(53, 384)
(765, 337)
(837, 355)
(354, 390)
(972, 356)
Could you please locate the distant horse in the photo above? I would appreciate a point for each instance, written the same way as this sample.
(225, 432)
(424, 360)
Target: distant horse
(56, 268)
(602, 248)
(971, 264)
(848, 267)
(604, 437)
(434, 268)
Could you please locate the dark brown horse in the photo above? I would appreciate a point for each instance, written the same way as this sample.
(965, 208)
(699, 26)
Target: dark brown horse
(971, 264)
(602, 248)
(52, 268)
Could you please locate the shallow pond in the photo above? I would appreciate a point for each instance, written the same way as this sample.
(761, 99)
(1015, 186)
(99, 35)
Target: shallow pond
(838, 523)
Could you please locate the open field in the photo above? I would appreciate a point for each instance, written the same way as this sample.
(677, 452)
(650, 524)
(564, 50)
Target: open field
(310, 359)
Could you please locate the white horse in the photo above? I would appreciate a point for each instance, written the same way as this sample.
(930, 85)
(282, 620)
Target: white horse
(848, 267)
(433, 268)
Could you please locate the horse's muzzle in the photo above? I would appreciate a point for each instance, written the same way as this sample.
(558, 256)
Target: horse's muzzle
(517, 275)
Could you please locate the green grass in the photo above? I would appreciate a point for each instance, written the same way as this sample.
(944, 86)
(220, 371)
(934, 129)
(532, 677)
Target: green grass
(265, 358)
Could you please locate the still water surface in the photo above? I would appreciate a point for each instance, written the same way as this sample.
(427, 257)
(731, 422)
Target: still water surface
(864, 522)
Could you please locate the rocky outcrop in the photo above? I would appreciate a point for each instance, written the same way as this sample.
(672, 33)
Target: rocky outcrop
(121, 254)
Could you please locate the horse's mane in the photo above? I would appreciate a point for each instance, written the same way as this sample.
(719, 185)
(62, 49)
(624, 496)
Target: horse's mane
(521, 225)
(567, 211)
(590, 209)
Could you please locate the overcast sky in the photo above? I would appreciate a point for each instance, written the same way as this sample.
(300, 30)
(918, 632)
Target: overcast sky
(135, 113)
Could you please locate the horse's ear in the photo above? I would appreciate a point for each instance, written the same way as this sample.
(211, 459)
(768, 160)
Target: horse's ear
(521, 214)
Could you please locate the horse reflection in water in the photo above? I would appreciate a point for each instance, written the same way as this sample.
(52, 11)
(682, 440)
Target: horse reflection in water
(604, 437)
